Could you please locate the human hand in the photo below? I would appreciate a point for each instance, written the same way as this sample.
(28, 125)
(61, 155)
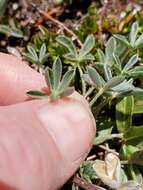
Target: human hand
(41, 144)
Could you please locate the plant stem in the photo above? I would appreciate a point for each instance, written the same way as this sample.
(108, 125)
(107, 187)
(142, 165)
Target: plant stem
(57, 22)
(85, 185)
(100, 92)
(109, 150)
(119, 136)
(90, 90)
(82, 81)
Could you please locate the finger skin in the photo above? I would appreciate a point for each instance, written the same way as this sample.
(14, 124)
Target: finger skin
(39, 151)
(16, 79)
(41, 144)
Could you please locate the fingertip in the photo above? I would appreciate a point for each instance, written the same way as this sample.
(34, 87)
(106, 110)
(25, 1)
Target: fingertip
(16, 79)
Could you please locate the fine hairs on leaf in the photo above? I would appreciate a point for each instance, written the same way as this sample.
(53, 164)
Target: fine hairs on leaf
(35, 57)
(57, 87)
(67, 42)
(84, 54)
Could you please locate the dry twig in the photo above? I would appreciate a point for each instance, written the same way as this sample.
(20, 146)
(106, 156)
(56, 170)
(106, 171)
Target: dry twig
(85, 185)
(57, 22)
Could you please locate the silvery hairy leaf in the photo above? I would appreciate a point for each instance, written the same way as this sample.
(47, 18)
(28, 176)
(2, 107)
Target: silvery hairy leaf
(133, 33)
(67, 42)
(87, 46)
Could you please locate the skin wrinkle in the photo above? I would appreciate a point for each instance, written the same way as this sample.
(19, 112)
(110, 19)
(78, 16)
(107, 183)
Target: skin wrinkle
(46, 135)
(35, 133)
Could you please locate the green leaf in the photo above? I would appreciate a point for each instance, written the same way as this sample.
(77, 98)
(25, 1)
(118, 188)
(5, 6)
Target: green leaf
(101, 56)
(102, 135)
(87, 172)
(134, 135)
(32, 52)
(67, 42)
(14, 32)
(139, 41)
(87, 46)
(122, 39)
(57, 72)
(3, 5)
(70, 57)
(110, 48)
(30, 58)
(49, 77)
(117, 62)
(36, 94)
(104, 124)
(114, 82)
(132, 61)
(66, 80)
(67, 92)
(107, 72)
(43, 55)
(88, 79)
(124, 111)
(136, 71)
(127, 151)
(95, 77)
(137, 158)
(133, 33)
(138, 106)
(125, 86)
(88, 57)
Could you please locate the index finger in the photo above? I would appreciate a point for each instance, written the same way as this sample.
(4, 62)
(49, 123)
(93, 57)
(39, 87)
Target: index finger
(16, 79)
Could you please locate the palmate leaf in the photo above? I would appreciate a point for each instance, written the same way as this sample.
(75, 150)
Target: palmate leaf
(57, 87)
(87, 46)
(133, 33)
(132, 61)
(32, 52)
(67, 42)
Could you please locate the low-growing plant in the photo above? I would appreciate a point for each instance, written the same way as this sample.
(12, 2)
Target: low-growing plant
(113, 80)
(38, 58)
(78, 58)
